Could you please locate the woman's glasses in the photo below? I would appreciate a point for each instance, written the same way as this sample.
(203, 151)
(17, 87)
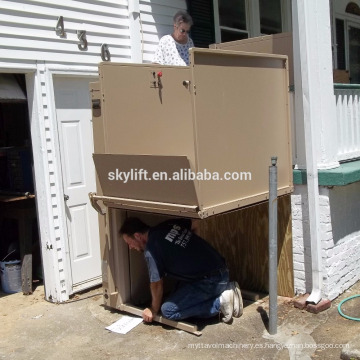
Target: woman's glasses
(183, 31)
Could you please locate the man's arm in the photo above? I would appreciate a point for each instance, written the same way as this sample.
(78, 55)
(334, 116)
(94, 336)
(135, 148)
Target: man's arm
(157, 289)
(195, 226)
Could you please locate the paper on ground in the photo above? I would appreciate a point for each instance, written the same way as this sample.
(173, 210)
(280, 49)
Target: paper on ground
(124, 325)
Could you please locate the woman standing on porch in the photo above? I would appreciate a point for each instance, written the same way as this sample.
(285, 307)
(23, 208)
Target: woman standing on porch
(174, 49)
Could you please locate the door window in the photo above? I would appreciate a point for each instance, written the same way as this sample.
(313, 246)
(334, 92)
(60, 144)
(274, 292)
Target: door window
(347, 50)
(354, 54)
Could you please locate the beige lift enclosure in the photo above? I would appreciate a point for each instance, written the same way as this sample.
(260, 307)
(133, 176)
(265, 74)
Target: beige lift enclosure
(269, 44)
(225, 115)
(193, 141)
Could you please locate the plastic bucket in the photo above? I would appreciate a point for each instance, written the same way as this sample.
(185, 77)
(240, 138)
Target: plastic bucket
(10, 272)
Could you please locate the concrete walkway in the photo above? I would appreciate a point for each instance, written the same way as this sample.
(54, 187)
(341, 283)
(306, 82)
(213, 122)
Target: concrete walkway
(32, 328)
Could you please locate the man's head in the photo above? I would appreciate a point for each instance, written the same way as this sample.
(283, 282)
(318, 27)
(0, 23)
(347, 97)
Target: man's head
(135, 233)
(182, 25)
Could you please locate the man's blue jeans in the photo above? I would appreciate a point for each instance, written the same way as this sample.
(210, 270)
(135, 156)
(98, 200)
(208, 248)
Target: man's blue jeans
(200, 298)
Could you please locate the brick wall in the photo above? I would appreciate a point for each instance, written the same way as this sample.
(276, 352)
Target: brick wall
(340, 238)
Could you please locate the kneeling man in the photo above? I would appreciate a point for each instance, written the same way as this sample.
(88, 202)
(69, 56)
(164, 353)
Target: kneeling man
(173, 249)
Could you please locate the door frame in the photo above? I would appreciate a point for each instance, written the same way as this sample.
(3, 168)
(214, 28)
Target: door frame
(338, 12)
(50, 73)
(348, 22)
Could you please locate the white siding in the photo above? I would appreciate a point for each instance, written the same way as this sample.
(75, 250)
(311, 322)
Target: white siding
(28, 30)
(30, 44)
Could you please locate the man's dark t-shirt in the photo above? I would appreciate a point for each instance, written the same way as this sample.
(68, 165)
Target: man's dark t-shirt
(173, 250)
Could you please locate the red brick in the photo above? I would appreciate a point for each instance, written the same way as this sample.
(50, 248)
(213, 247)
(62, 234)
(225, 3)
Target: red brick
(300, 302)
(321, 306)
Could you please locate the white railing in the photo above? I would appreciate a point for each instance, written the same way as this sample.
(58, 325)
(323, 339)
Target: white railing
(348, 120)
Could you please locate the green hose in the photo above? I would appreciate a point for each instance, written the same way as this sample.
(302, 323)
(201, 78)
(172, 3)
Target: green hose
(342, 314)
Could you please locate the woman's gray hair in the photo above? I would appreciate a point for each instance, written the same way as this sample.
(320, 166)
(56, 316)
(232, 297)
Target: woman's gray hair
(182, 17)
